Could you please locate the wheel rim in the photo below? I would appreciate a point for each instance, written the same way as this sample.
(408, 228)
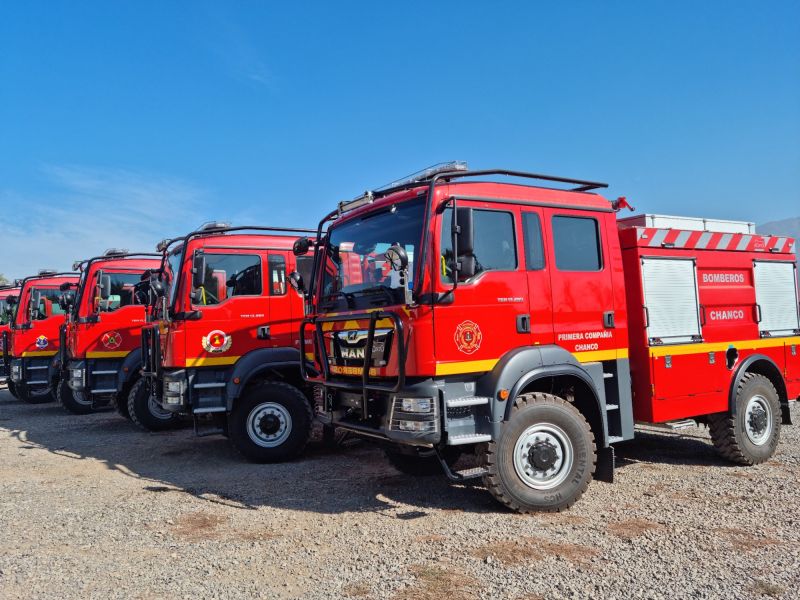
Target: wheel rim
(154, 406)
(543, 456)
(80, 398)
(269, 424)
(758, 420)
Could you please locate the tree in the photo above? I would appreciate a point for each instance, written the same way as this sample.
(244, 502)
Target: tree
(3, 280)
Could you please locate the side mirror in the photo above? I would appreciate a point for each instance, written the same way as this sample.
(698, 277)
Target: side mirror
(397, 257)
(296, 281)
(103, 285)
(464, 242)
(301, 246)
(36, 300)
(66, 300)
(198, 270)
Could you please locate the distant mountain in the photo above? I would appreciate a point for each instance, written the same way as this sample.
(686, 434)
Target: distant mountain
(790, 227)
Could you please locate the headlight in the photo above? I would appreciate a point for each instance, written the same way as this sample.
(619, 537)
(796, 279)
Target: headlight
(76, 373)
(417, 405)
(175, 387)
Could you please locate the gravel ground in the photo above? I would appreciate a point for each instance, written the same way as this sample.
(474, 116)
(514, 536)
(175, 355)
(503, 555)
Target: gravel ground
(91, 507)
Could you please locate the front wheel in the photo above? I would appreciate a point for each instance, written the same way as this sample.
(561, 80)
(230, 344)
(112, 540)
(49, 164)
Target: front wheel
(750, 434)
(146, 411)
(12, 388)
(35, 396)
(545, 456)
(271, 422)
(75, 402)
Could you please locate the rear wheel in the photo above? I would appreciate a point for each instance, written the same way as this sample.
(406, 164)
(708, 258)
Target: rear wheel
(751, 435)
(420, 461)
(271, 422)
(146, 411)
(544, 458)
(74, 402)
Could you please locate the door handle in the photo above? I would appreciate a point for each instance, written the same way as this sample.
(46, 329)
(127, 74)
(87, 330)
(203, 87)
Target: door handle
(262, 333)
(523, 323)
(608, 319)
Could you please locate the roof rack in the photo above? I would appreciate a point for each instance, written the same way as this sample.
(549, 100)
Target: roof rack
(111, 253)
(457, 169)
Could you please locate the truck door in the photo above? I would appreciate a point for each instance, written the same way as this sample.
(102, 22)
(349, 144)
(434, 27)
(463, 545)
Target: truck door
(282, 329)
(231, 305)
(540, 296)
(488, 314)
(581, 279)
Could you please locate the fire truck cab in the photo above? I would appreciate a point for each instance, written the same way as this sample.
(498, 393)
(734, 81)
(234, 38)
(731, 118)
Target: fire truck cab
(8, 299)
(35, 339)
(224, 347)
(101, 339)
(528, 325)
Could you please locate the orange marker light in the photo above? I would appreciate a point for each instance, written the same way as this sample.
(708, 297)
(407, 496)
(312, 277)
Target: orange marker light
(236, 380)
(504, 394)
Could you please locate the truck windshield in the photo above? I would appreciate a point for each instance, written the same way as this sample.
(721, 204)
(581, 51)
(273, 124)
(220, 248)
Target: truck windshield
(48, 305)
(355, 267)
(5, 312)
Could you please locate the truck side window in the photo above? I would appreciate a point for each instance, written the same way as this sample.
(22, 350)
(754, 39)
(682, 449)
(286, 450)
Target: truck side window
(277, 275)
(121, 291)
(304, 266)
(230, 275)
(576, 241)
(495, 242)
(534, 248)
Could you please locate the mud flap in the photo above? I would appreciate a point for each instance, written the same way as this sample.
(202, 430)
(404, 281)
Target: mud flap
(605, 465)
(786, 414)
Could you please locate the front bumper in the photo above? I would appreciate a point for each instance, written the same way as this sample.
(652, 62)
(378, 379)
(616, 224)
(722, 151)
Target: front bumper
(195, 391)
(424, 413)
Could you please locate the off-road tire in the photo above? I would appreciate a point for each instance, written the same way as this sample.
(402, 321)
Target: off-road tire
(40, 397)
(728, 431)
(66, 398)
(12, 389)
(141, 411)
(497, 457)
(420, 462)
(281, 397)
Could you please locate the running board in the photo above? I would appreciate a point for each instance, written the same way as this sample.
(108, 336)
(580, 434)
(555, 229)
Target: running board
(464, 474)
(675, 425)
(470, 438)
(198, 432)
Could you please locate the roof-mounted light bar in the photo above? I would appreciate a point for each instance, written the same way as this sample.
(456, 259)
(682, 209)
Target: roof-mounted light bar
(116, 252)
(214, 225)
(427, 173)
(45, 272)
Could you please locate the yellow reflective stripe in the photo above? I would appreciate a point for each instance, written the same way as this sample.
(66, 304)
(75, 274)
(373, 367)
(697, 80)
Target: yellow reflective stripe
(702, 347)
(41, 353)
(115, 354)
(480, 366)
(211, 361)
(601, 355)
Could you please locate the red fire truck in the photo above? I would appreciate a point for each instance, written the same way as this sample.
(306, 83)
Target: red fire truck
(34, 344)
(224, 344)
(530, 325)
(101, 340)
(8, 298)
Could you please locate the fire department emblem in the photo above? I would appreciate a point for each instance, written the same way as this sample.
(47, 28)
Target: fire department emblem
(112, 340)
(217, 341)
(468, 337)
(42, 342)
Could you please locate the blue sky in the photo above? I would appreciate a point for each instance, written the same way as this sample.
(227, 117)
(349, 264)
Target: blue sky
(122, 123)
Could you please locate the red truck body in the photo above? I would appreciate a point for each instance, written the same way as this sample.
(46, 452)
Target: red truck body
(102, 354)
(35, 340)
(684, 377)
(511, 319)
(224, 346)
